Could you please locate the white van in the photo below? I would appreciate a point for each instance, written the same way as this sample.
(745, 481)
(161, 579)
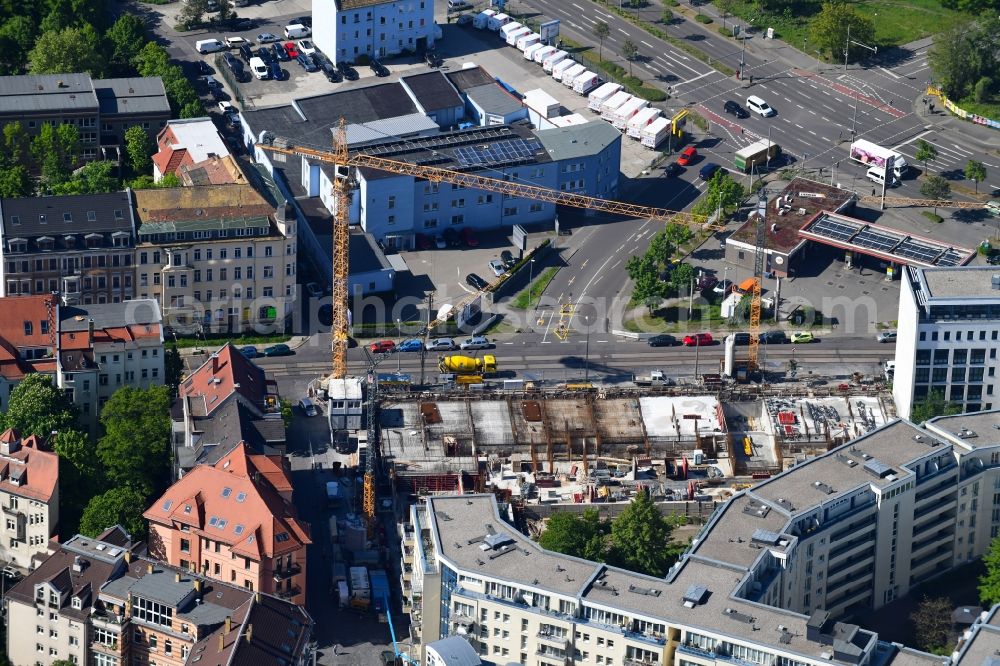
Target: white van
(757, 105)
(209, 45)
(877, 176)
(296, 31)
(259, 68)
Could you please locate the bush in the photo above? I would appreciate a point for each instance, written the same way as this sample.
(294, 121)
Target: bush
(725, 32)
(981, 92)
(632, 82)
(701, 18)
(673, 3)
(932, 216)
(652, 94)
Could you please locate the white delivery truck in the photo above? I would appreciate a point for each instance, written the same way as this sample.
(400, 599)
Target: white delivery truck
(624, 113)
(542, 103)
(530, 39)
(875, 155)
(508, 28)
(529, 53)
(482, 20)
(602, 95)
(543, 53)
(498, 21)
(634, 126)
(655, 132)
(585, 82)
(554, 60)
(563, 66)
(608, 108)
(568, 75)
(515, 35)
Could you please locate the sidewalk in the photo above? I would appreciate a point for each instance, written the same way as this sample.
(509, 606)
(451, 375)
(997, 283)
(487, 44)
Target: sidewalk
(213, 346)
(983, 138)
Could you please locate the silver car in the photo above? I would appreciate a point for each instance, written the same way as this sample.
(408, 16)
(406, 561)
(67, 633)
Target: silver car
(308, 407)
(886, 336)
(497, 267)
(441, 344)
(476, 342)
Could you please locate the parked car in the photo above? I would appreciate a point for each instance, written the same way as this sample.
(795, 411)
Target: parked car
(314, 290)
(464, 19)
(993, 207)
(672, 170)
(306, 46)
(687, 156)
(277, 73)
(280, 53)
(476, 282)
(10, 573)
(291, 50)
(498, 267)
(249, 352)
(698, 340)
(886, 336)
(307, 63)
(993, 260)
(440, 243)
(267, 38)
(723, 287)
(226, 108)
(411, 345)
(469, 237)
(507, 257)
(265, 54)
(802, 337)
(663, 340)
(246, 52)
(378, 68)
(452, 237)
(708, 171)
(235, 41)
(735, 109)
(382, 347)
(204, 67)
(308, 407)
(774, 338)
(347, 71)
(476, 342)
(302, 20)
(211, 82)
(331, 73)
(441, 344)
(741, 339)
(278, 350)
(707, 282)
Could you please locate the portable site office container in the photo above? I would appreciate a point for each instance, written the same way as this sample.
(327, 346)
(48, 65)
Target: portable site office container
(542, 103)
(560, 67)
(529, 52)
(568, 75)
(498, 21)
(482, 20)
(616, 100)
(541, 54)
(530, 39)
(517, 34)
(602, 95)
(585, 82)
(655, 132)
(551, 61)
(640, 120)
(625, 112)
(508, 28)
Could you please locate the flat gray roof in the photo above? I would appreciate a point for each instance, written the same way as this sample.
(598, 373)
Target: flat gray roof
(964, 283)
(132, 95)
(47, 92)
(492, 98)
(972, 430)
(432, 90)
(566, 143)
(109, 315)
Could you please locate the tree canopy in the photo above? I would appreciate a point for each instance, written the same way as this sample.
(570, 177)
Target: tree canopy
(139, 149)
(829, 29)
(975, 171)
(640, 536)
(38, 407)
(127, 37)
(91, 178)
(989, 582)
(965, 53)
(577, 535)
(65, 51)
(723, 192)
(135, 448)
(933, 405)
(117, 506)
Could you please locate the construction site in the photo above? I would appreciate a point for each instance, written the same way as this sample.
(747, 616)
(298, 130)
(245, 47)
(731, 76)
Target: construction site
(599, 447)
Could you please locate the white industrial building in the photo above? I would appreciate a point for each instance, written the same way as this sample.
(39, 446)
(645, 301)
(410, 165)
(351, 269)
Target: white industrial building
(948, 327)
(765, 582)
(348, 29)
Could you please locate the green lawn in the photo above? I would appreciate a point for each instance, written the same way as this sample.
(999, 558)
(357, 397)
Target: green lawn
(674, 318)
(522, 300)
(989, 108)
(221, 339)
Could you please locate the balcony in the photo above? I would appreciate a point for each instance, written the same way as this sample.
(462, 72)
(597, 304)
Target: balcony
(942, 536)
(852, 547)
(930, 558)
(629, 661)
(554, 639)
(933, 509)
(948, 485)
(851, 564)
(288, 594)
(283, 574)
(105, 648)
(103, 619)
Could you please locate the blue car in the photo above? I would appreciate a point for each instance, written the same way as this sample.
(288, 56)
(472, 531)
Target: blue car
(280, 53)
(307, 63)
(249, 352)
(411, 345)
(276, 72)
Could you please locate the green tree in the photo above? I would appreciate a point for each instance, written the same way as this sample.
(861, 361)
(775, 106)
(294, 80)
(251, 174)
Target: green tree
(666, 16)
(80, 477)
(139, 149)
(286, 412)
(145, 182)
(580, 536)
(660, 249)
(38, 407)
(989, 582)
(127, 37)
(933, 405)
(60, 17)
(681, 277)
(601, 31)
(630, 52)
(678, 234)
(17, 36)
(65, 51)
(954, 59)
(135, 448)
(981, 91)
(639, 536)
(976, 172)
(926, 152)
(932, 622)
(152, 59)
(722, 193)
(828, 30)
(15, 181)
(16, 142)
(193, 13)
(192, 109)
(55, 150)
(225, 15)
(118, 506)
(173, 369)
(92, 178)
(649, 289)
(935, 187)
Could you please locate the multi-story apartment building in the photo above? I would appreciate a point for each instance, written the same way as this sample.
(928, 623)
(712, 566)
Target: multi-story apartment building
(234, 521)
(93, 601)
(216, 257)
(102, 109)
(82, 246)
(948, 327)
(29, 497)
(348, 29)
(28, 340)
(762, 583)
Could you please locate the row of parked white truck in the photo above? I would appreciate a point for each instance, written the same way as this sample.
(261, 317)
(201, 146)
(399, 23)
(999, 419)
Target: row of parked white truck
(628, 113)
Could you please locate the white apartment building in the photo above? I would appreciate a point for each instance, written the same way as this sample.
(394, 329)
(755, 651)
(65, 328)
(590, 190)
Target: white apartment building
(763, 583)
(29, 497)
(948, 329)
(347, 29)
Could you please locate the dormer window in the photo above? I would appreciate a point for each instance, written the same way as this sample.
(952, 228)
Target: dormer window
(94, 240)
(41, 219)
(17, 245)
(45, 243)
(91, 216)
(70, 241)
(77, 603)
(67, 217)
(15, 219)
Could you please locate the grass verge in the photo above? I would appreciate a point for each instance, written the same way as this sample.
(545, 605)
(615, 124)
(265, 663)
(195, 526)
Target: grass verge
(673, 318)
(932, 216)
(534, 291)
(612, 71)
(217, 340)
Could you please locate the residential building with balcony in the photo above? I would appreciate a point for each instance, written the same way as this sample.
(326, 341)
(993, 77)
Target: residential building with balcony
(763, 583)
(102, 109)
(234, 521)
(94, 601)
(29, 498)
(947, 333)
(218, 258)
(82, 246)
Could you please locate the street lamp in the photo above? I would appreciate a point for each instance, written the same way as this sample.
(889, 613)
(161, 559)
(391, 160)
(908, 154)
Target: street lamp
(531, 278)
(847, 46)
(399, 332)
(586, 371)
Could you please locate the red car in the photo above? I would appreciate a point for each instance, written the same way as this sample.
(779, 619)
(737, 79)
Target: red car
(698, 340)
(424, 242)
(382, 346)
(291, 50)
(469, 238)
(687, 157)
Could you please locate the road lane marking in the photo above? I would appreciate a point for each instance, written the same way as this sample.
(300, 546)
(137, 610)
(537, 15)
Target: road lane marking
(578, 7)
(895, 76)
(647, 44)
(700, 76)
(623, 31)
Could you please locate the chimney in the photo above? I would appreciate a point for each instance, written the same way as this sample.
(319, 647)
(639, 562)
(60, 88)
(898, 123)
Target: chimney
(249, 633)
(149, 568)
(197, 585)
(256, 597)
(215, 363)
(177, 577)
(128, 557)
(90, 332)
(222, 641)
(229, 624)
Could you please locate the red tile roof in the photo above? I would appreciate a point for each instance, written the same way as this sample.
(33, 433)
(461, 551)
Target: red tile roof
(34, 309)
(223, 374)
(37, 468)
